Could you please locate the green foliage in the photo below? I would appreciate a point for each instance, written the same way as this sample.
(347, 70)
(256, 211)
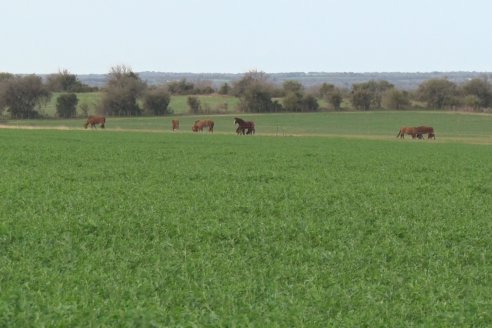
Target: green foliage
(257, 99)
(21, 95)
(64, 81)
(181, 87)
(225, 89)
(194, 105)
(156, 101)
(66, 105)
(368, 95)
(306, 232)
(335, 99)
(438, 93)
(395, 99)
(123, 89)
(481, 90)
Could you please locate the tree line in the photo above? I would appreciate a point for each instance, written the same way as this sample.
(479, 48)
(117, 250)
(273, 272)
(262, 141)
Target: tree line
(125, 93)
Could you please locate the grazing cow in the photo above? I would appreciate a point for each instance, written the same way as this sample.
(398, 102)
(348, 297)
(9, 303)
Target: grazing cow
(175, 124)
(95, 119)
(200, 124)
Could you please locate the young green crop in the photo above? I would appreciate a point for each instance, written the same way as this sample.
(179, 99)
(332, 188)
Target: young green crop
(107, 228)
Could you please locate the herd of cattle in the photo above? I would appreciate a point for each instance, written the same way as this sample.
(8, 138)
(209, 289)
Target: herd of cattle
(248, 127)
(417, 132)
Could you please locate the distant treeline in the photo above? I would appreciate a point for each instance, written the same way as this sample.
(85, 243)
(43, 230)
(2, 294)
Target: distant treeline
(404, 81)
(125, 92)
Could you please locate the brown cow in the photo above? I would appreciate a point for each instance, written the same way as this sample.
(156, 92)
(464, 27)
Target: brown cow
(95, 119)
(175, 124)
(200, 124)
(405, 130)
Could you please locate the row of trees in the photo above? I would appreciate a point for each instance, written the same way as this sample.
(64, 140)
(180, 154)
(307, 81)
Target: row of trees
(125, 93)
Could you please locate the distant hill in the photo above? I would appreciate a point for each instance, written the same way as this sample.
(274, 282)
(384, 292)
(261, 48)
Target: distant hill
(405, 81)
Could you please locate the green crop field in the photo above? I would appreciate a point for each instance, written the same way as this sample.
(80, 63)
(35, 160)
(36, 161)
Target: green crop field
(337, 224)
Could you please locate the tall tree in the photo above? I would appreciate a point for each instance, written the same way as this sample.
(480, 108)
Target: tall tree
(122, 90)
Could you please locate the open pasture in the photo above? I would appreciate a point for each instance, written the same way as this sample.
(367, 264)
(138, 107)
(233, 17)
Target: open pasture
(449, 126)
(121, 228)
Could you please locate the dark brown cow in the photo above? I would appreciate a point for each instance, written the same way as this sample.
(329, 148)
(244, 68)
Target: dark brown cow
(175, 124)
(95, 119)
(200, 124)
(429, 130)
(417, 132)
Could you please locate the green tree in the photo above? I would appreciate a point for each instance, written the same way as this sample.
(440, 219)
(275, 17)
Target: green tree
(331, 94)
(438, 93)
(369, 94)
(66, 105)
(251, 79)
(255, 93)
(122, 90)
(293, 87)
(481, 89)
(22, 94)
(326, 89)
(181, 87)
(395, 99)
(225, 89)
(309, 103)
(335, 99)
(194, 104)
(156, 101)
(361, 99)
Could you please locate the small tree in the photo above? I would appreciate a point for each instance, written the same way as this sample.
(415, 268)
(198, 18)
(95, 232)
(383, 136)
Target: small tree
(481, 89)
(438, 93)
(156, 101)
(66, 105)
(84, 108)
(395, 99)
(224, 89)
(335, 99)
(194, 104)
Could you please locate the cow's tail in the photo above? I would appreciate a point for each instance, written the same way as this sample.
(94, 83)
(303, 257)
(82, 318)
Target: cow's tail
(399, 133)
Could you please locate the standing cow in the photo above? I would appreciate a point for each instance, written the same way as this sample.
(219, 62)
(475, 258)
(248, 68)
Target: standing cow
(175, 124)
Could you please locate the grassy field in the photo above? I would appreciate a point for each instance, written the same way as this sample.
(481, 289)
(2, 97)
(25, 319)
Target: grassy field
(178, 104)
(131, 228)
(449, 126)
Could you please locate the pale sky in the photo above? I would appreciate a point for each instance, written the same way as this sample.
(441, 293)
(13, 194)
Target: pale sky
(233, 36)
